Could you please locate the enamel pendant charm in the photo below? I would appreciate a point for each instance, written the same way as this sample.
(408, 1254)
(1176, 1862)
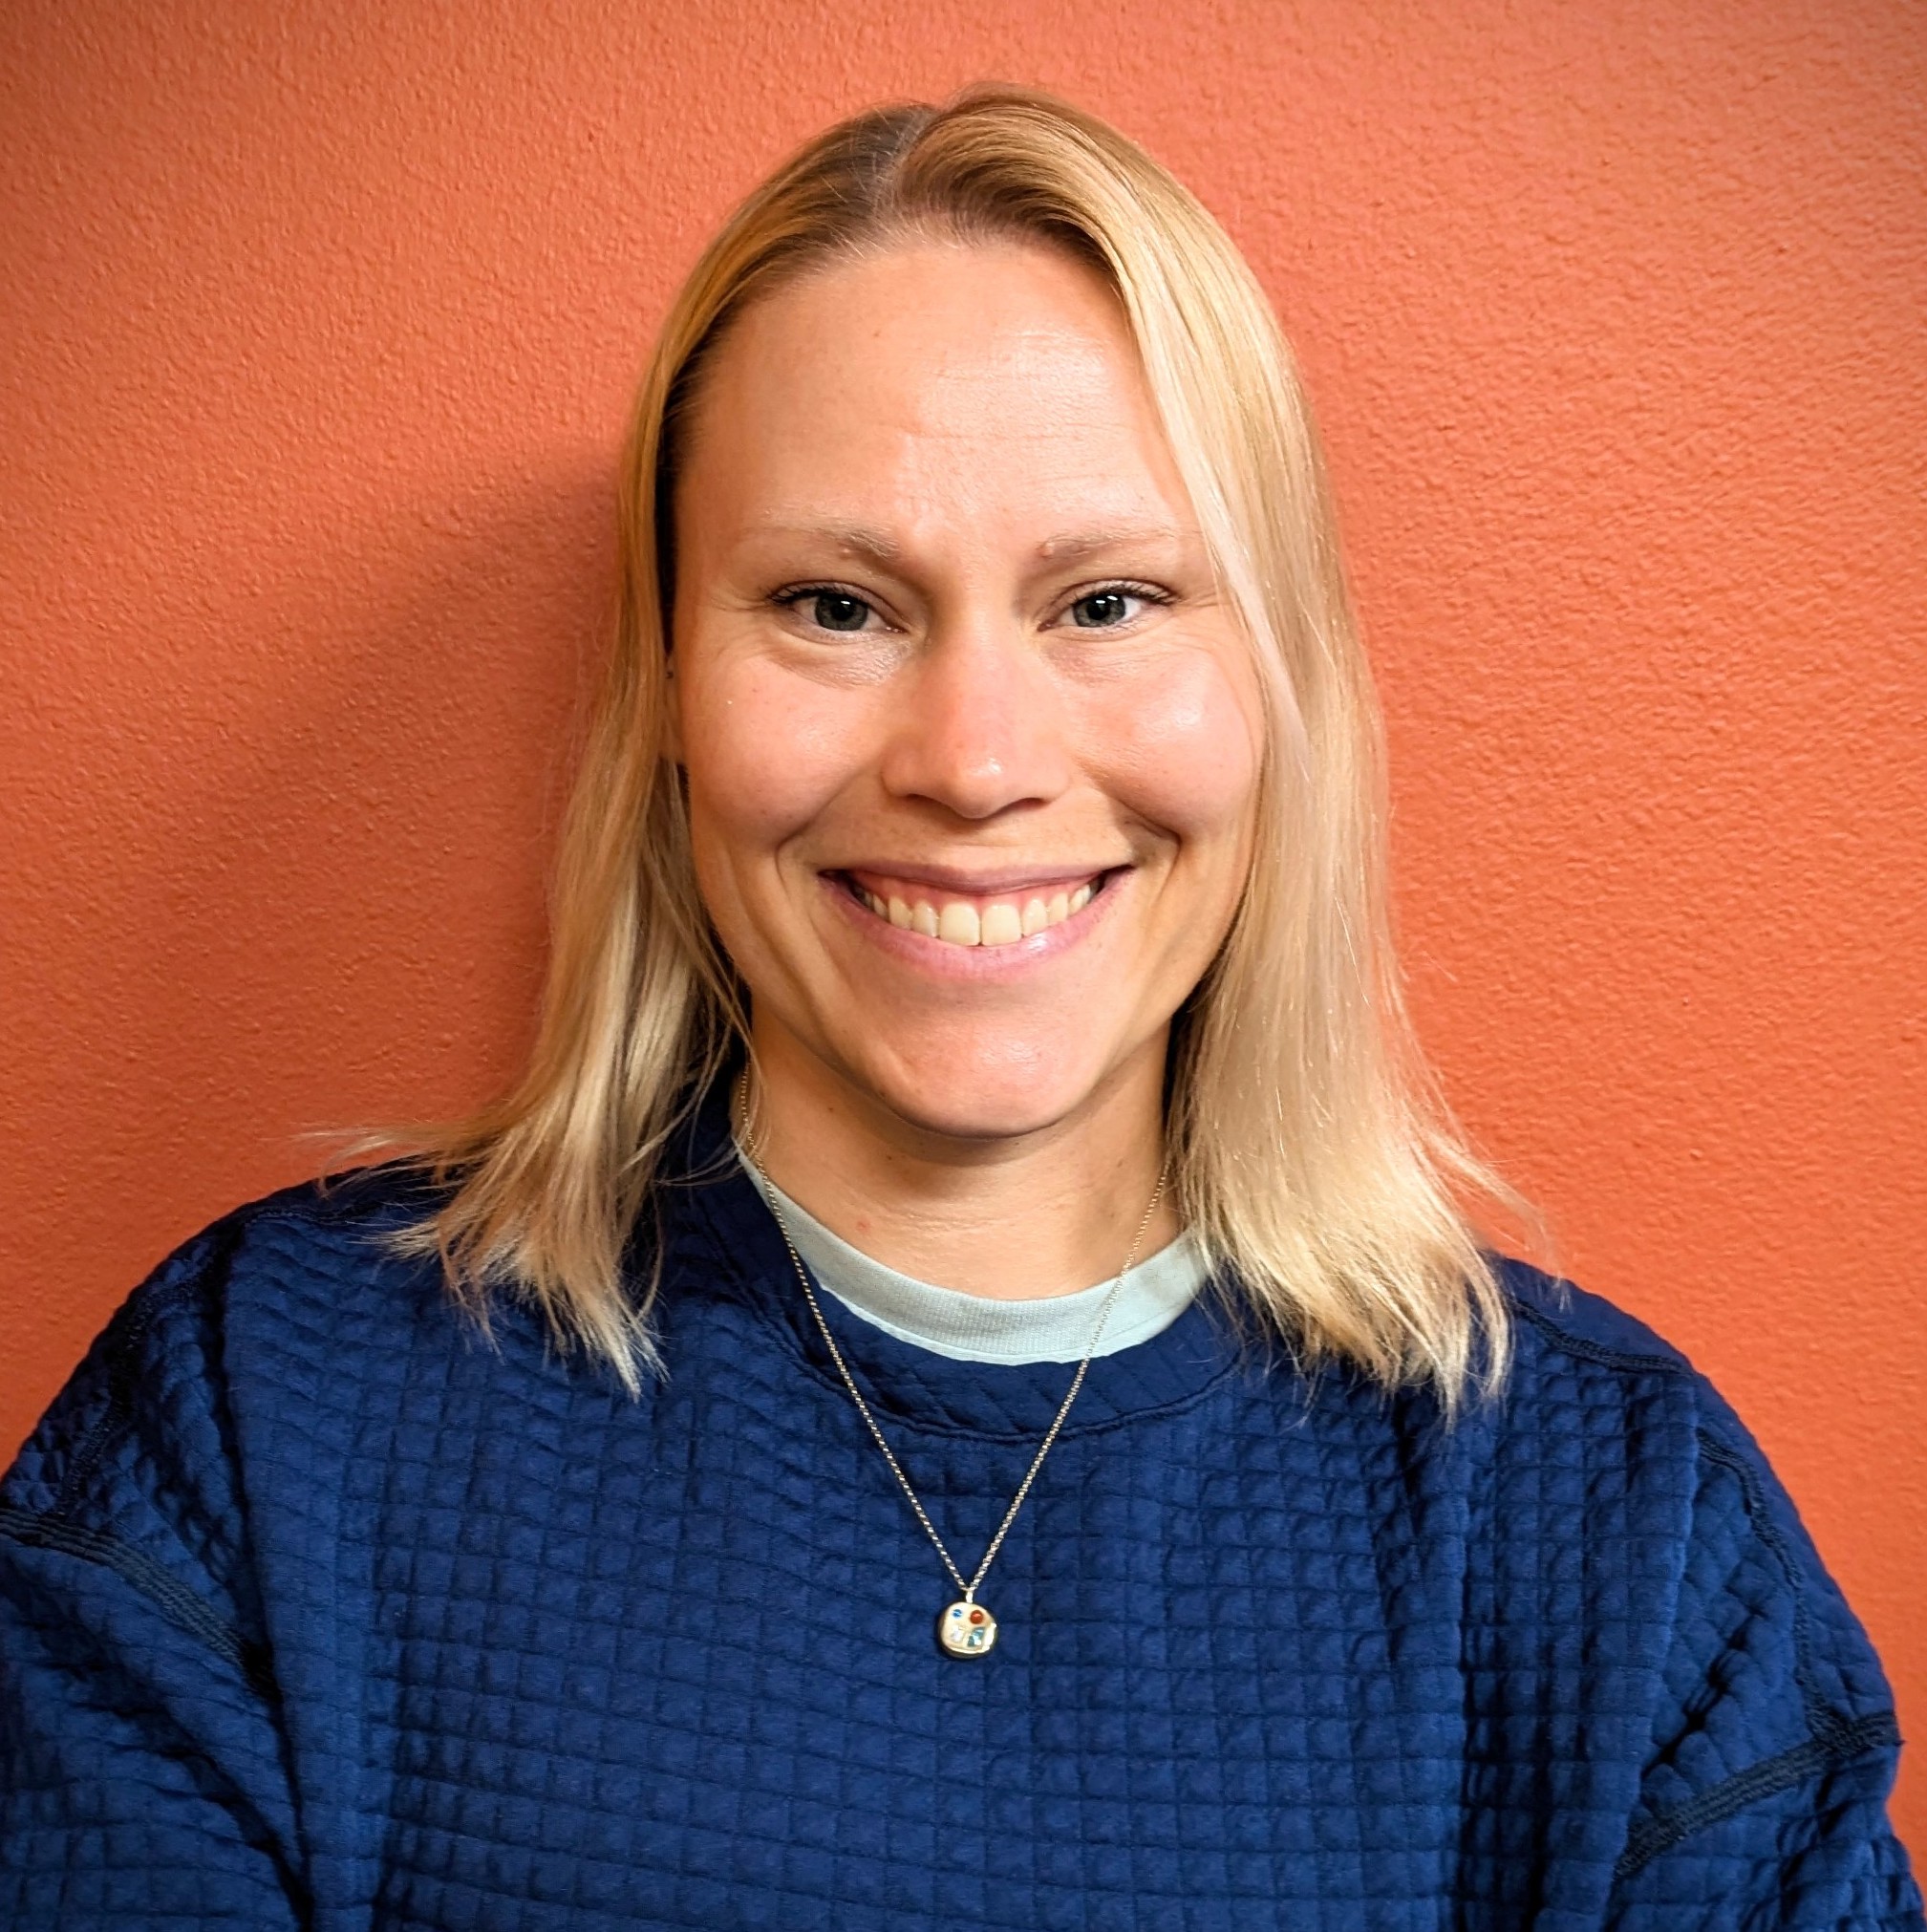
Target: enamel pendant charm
(967, 1629)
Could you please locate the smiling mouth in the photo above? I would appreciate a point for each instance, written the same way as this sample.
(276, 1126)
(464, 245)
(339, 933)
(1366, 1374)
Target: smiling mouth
(971, 919)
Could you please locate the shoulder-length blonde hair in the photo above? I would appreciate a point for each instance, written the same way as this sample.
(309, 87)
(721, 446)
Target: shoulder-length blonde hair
(1311, 1156)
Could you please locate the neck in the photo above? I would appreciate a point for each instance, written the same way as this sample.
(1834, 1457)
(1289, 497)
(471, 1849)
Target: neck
(1048, 1210)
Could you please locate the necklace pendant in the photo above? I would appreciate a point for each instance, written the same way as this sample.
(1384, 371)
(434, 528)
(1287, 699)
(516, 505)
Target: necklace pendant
(966, 1629)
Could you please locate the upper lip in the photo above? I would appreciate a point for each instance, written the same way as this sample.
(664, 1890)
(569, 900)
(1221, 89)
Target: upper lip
(973, 883)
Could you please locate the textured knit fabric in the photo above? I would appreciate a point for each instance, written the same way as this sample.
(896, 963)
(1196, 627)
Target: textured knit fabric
(318, 1611)
(975, 1328)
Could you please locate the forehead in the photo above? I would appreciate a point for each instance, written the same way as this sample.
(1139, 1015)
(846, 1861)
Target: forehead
(939, 384)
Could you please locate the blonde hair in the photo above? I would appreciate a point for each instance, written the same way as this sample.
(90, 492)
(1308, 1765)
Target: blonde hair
(1311, 1155)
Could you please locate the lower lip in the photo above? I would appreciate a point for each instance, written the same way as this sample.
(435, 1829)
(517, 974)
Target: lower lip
(939, 957)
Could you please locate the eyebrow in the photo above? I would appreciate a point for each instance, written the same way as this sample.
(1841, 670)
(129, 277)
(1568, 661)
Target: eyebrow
(1072, 545)
(1066, 546)
(859, 539)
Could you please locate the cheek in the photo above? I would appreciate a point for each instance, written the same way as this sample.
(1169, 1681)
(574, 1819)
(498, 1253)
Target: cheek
(1184, 747)
(764, 761)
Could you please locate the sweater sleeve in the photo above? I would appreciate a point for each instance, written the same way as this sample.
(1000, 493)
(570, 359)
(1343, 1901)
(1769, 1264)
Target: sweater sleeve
(142, 1779)
(1764, 1794)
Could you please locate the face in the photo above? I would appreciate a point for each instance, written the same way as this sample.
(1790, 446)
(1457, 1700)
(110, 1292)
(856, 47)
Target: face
(971, 744)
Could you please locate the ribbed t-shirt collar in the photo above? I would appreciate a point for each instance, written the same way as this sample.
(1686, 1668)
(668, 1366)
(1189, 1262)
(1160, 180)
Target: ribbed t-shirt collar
(1148, 1298)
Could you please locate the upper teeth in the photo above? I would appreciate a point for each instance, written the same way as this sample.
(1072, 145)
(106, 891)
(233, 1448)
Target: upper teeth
(1002, 922)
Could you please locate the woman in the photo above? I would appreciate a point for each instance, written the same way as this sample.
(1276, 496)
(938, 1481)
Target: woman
(961, 1389)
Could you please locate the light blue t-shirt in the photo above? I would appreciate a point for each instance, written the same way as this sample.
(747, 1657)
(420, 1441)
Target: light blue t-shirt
(976, 1328)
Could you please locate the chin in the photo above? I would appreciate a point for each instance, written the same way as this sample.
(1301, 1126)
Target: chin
(993, 1094)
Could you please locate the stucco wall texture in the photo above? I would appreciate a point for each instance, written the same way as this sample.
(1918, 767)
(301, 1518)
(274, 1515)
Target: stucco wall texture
(319, 323)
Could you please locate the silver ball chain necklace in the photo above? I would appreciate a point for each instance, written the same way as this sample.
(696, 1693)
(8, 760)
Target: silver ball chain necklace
(965, 1628)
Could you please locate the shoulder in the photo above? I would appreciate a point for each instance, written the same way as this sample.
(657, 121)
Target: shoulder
(1587, 1372)
(310, 1270)
(334, 1222)
(1584, 1366)
(324, 1255)
(224, 1395)
(1560, 1318)
(334, 1225)
(1623, 1455)
(330, 1242)
(127, 1508)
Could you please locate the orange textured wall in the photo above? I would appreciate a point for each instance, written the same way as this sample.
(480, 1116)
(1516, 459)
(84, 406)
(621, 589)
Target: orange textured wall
(318, 324)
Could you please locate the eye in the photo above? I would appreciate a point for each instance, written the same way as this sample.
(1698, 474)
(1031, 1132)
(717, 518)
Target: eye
(827, 607)
(1112, 606)
(838, 610)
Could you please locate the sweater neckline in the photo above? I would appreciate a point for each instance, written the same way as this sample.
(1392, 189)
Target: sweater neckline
(1148, 1299)
(721, 1238)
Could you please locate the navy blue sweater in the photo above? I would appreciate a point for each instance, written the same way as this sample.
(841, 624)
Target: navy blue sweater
(319, 1611)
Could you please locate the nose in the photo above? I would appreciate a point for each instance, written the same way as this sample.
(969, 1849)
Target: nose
(978, 727)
